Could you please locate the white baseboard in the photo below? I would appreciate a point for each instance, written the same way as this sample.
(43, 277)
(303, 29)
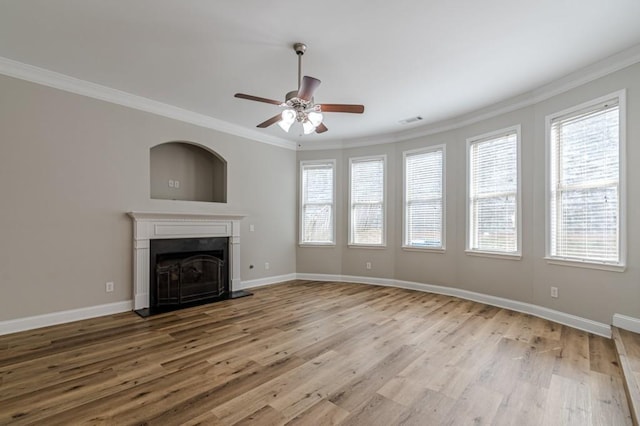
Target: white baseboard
(260, 282)
(626, 323)
(580, 323)
(54, 318)
(29, 323)
(601, 329)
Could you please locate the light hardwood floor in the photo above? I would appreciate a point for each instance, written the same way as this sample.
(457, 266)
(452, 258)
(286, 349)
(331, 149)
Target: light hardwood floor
(311, 353)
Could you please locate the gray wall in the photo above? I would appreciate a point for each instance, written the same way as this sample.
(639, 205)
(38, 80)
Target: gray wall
(588, 293)
(70, 168)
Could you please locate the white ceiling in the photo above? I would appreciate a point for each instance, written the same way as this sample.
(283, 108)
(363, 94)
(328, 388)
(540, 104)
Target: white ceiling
(432, 58)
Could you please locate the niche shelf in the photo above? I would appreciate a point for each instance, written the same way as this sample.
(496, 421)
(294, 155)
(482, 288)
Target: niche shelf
(187, 171)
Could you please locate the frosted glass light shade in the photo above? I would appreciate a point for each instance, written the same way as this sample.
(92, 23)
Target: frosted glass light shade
(308, 127)
(288, 117)
(315, 118)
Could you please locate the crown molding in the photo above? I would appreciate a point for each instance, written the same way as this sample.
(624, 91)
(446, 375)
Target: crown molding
(67, 83)
(56, 80)
(585, 75)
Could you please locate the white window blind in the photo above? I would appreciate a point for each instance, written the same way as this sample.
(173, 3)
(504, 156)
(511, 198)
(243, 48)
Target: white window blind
(367, 201)
(423, 208)
(493, 194)
(317, 202)
(585, 185)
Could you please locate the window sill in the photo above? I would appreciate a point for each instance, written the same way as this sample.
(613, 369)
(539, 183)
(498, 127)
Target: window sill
(586, 264)
(365, 246)
(495, 255)
(424, 249)
(316, 244)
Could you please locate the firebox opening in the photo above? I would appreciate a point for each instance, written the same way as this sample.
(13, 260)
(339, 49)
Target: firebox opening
(187, 272)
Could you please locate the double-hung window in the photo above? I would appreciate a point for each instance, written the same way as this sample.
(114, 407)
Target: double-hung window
(317, 202)
(424, 198)
(367, 201)
(493, 205)
(585, 189)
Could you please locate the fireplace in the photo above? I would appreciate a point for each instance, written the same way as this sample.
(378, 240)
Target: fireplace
(187, 272)
(189, 244)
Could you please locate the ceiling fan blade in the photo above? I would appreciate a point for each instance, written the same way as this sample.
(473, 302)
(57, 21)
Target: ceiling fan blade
(269, 122)
(321, 128)
(257, 98)
(307, 87)
(355, 109)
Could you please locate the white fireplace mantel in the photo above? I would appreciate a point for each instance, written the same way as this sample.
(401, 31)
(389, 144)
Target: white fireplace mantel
(163, 225)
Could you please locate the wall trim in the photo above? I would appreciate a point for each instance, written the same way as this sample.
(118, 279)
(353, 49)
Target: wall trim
(626, 323)
(67, 83)
(62, 317)
(602, 68)
(570, 320)
(601, 329)
(261, 282)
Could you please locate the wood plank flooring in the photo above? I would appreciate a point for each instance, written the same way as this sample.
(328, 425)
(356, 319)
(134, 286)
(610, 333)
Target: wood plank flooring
(627, 346)
(312, 353)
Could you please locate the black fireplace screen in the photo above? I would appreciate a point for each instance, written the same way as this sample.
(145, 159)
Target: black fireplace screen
(189, 280)
(188, 271)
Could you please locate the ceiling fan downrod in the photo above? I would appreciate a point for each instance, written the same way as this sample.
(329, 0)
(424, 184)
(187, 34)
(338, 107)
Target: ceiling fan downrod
(300, 48)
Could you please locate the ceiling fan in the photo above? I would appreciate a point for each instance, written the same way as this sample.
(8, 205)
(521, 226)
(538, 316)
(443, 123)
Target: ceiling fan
(299, 104)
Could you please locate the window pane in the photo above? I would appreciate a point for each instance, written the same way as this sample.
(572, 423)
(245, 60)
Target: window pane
(318, 184)
(424, 223)
(495, 166)
(423, 199)
(367, 201)
(317, 223)
(590, 149)
(367, 224)
(493, 192)
(585, 199)
(367, 181)
(317, 203)
(496, 224)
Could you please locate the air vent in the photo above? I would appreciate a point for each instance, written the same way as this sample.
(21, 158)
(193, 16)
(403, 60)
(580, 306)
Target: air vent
(410, 120)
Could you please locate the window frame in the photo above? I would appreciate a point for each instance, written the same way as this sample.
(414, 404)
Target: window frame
(443, 223)
(350, 241)
(517, 255)
(620, 266)
(301, 204)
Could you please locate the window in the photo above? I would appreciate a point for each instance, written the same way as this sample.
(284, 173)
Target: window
(585, 192)
(317, 195)
(493, 209)
(424, 198)
(367, 218)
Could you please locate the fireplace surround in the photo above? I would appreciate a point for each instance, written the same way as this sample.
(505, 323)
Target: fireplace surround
(148, 226)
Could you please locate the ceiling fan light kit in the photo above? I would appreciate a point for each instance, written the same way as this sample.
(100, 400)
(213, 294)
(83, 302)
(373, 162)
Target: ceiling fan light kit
(299, 105)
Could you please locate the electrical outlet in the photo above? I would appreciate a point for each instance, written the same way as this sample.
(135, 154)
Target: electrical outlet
(554, 292)
(176, 184)
(108, 287)
(266, 265)
(171, 183)
(368, 265)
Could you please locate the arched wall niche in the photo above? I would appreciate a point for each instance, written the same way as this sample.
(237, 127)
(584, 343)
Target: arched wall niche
(187, 171)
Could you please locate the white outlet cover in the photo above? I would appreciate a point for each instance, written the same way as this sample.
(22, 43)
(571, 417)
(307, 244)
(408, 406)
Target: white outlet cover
(176, 184)
(171, 183)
